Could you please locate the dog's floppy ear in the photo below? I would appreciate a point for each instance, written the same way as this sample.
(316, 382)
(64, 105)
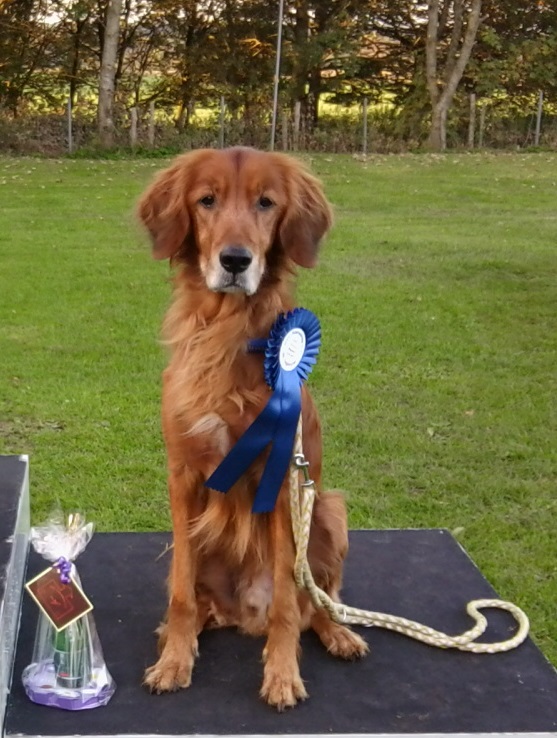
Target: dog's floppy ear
(307, 219)
(163, 211)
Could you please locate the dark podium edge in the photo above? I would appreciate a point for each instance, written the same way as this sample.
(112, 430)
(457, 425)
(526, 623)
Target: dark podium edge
(10, 608)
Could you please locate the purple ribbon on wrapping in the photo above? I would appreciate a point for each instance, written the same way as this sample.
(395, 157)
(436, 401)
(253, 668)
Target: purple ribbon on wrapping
(64, 569)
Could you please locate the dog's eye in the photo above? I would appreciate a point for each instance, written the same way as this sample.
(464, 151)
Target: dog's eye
(264, 203)
(208, 201)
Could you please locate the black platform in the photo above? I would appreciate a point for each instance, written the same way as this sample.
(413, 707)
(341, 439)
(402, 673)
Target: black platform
(402, 687)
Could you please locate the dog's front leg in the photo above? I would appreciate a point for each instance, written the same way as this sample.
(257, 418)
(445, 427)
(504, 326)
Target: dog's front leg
(179, 635)
(282, 684)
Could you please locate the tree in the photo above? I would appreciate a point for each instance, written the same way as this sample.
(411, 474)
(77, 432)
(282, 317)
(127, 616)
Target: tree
(26, 43)
(75, 39)
(516, 49)
(321, 45)
(105, 111)
(415, 56)
(442, 86)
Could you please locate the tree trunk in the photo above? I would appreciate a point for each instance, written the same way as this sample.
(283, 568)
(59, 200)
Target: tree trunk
(314, 95)
(441, 93)
(181, 117)
(185, 105)
(437, 140)
(80, 25)
(105, 116)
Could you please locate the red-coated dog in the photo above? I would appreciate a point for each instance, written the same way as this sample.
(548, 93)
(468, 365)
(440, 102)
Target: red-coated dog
(235, 223)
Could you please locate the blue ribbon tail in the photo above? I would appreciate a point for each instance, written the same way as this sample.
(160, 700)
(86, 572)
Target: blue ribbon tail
(246, 449)
(289, 394)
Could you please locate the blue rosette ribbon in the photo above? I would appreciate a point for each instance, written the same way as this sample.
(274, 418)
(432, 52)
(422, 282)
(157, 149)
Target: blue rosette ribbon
(290, 353)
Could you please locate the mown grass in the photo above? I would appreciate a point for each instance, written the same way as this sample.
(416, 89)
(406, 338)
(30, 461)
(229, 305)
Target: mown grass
(436, 381)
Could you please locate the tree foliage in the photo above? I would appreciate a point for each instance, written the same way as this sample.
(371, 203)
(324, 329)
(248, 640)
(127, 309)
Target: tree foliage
(184, 54)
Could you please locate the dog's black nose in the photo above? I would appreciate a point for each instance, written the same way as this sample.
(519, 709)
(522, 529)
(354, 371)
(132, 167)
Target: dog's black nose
(235, 259)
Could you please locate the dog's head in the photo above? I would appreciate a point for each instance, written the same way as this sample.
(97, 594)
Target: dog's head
(232, 211)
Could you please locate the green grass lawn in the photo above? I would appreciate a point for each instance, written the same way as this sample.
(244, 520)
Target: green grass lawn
(437, 293)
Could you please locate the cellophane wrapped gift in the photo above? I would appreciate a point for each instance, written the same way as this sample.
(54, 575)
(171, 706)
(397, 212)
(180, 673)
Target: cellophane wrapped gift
(68, 670)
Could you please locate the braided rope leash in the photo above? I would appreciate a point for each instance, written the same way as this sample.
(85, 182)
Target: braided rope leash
(302, 496)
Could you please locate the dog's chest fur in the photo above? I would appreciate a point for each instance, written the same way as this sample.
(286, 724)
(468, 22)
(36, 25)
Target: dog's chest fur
(214, 387)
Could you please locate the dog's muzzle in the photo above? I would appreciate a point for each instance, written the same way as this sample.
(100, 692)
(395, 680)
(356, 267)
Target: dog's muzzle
(234, 269)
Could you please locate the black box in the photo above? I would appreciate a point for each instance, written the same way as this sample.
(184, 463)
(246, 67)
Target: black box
(402, 688)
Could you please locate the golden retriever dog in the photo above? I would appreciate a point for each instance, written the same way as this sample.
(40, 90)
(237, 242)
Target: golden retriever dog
(234, 224)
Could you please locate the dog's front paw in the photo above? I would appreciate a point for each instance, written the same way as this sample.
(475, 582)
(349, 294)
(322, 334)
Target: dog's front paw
(282, 690)
(344, 643)
(171, 672)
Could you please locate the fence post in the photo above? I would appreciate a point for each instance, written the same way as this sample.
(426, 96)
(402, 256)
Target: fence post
(538, 120)
(297, 116)
(483, 111)
(364, 113)
(284, 126)
(221, 123)
(276, 80)
(472, 121)
(70, 129)
(151, 129)
(133, 128)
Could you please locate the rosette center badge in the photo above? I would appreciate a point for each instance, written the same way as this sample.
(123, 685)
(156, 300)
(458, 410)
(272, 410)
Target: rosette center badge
(292, 349)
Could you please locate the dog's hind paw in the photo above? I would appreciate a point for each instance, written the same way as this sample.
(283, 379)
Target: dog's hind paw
(281, 692)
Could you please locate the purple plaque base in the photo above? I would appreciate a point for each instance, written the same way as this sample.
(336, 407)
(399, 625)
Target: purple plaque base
(39, 680)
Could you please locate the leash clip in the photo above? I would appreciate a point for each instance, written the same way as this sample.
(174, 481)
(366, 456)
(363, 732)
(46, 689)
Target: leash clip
(303, 465)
